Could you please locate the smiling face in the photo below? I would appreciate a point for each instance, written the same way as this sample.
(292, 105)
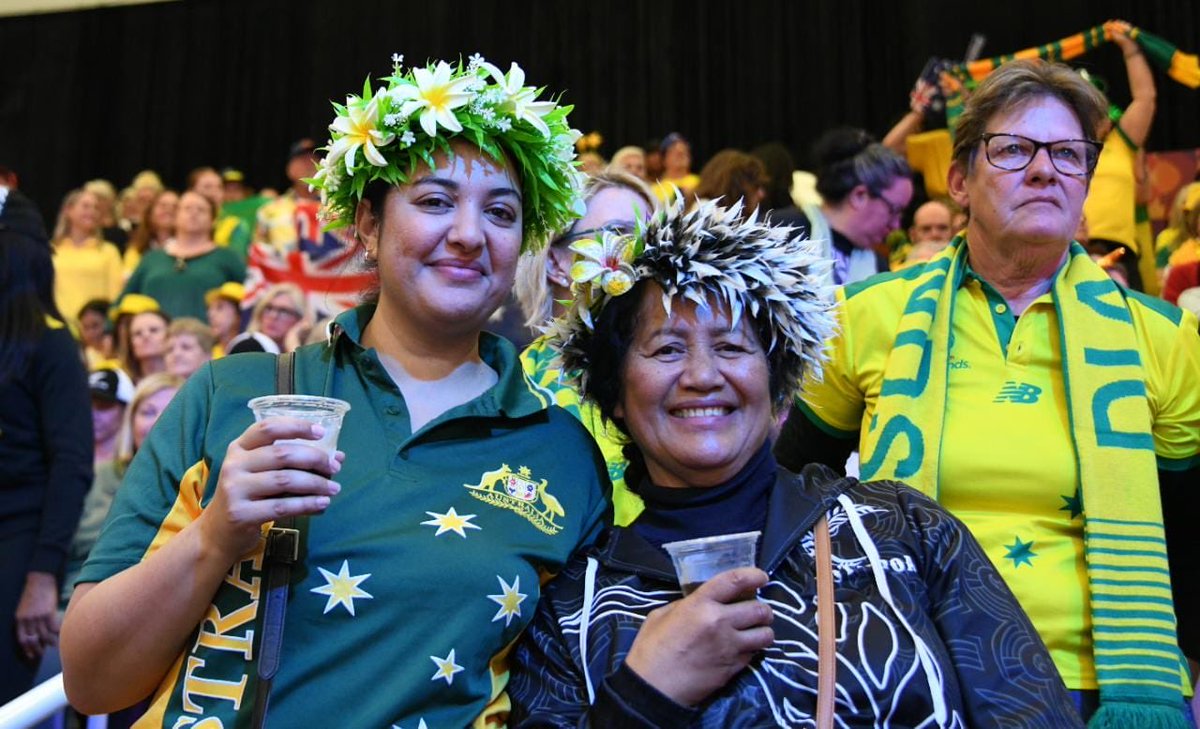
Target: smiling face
(148, 336)
(695, 394)
(83, 216)
(447, 243)
(1036, 206)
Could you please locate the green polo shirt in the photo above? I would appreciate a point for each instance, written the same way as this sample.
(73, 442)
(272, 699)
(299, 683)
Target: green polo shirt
(417, 578)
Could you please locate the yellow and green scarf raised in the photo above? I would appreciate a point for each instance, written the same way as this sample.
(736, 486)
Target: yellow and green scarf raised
(1183, 67)
(1138, 663)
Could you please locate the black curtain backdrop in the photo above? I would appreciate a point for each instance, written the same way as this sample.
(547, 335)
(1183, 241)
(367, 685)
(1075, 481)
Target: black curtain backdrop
(106, 93)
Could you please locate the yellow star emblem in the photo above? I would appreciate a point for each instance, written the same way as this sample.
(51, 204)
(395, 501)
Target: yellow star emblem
(451, 521)
(509, 600)
(446, 668)
(342, 588)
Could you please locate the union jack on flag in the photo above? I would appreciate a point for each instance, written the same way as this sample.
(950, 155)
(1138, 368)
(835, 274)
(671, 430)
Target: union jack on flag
(292, 248)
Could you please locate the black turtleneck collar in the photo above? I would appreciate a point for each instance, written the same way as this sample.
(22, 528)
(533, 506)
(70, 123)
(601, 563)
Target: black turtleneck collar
(737, 505)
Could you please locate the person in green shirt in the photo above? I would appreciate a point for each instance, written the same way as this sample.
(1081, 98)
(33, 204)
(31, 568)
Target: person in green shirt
(459, 488)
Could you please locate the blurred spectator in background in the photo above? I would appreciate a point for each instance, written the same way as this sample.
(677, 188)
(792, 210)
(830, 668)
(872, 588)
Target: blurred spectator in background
(228, 231)
(46, 446)
(931, 231)
(146, 403)
(280, 322)
(1112, 197)
(224, 309)
(157, 226)
(145, 187)
(866, 188)
(86, 266)
(189, 345)
(654, 161)
(8, 178)
(189, 264)
(732, 176)
(96, 340)
(781, 171)
(106, 199)
(630, 160)
(111, 391)
(147, 344)
(677, 168)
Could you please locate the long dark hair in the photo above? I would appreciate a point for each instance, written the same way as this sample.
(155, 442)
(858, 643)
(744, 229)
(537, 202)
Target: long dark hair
(26, 299)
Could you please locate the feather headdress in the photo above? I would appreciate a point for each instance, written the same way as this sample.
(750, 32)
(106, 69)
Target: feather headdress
(710, 254)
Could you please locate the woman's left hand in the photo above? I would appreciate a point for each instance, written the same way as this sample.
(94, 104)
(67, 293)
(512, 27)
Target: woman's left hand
(37, 614)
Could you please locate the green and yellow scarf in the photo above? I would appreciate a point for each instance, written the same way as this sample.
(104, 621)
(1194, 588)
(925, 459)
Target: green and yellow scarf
(1138, 663)
(958, 78)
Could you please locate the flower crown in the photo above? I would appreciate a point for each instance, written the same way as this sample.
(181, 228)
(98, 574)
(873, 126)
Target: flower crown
(421, 109)
(781, 279)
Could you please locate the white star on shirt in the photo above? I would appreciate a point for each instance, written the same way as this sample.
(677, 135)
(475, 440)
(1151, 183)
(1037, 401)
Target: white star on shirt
(509, 601)
(342, 588)
(451, 521)
(419, 726)
(446, 668)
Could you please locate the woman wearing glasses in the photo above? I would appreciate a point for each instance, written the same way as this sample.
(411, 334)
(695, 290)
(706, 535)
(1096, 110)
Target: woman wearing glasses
(865, 189)
(616, 203)
(1011, 379)
(277, 324)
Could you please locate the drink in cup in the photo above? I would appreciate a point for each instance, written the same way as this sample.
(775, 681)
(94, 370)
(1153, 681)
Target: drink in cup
(698, 560)
(324, 411)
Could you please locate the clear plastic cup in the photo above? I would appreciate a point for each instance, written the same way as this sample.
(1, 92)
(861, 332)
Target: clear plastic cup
(698, 560)
(325, 411)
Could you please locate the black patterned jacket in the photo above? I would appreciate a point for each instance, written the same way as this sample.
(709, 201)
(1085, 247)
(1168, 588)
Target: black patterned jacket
(950, 648)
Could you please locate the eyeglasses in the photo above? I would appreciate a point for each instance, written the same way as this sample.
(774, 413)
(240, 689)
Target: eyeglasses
(621, 228)
(894, 210)
(280, 311)
(1012, 152)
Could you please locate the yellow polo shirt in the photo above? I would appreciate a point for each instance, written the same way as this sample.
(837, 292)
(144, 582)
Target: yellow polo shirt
(81, 273)
(1007, 461)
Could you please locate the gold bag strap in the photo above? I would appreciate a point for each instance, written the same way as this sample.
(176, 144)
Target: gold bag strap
(826, 627)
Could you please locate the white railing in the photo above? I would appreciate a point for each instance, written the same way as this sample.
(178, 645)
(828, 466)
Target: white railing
(39, 703)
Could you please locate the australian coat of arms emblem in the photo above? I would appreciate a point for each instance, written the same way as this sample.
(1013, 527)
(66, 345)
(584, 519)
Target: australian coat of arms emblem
(519, 491)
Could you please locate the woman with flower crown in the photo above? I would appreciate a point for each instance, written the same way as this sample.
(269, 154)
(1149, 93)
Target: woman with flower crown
(423, 541)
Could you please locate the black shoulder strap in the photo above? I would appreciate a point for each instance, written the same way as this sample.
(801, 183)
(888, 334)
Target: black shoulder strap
(283, 549)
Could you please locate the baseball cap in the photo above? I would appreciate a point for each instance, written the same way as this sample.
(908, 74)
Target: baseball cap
(231, 290)
(229, 174)
(111, 385)
(133, 304)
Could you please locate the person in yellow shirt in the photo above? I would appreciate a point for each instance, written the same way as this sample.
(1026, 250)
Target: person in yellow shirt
(1051, 410)
(677, 168)
(86, 267)
(1111, 204)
